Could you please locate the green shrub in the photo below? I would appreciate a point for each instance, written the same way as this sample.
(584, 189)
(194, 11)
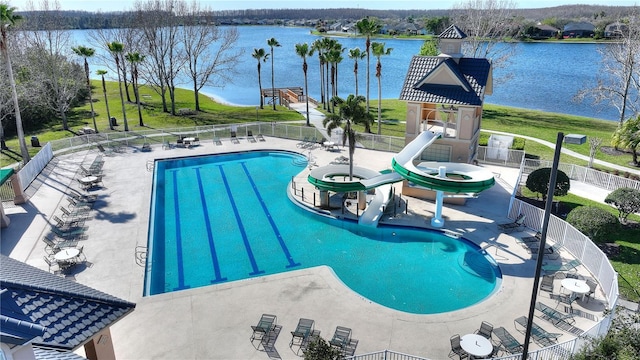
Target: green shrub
(626, 200)
(518, 143)
(594, 222)
(319, 349)
(538, 182)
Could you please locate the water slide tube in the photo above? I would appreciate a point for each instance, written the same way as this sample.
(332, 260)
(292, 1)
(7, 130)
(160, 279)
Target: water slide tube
(460, 178)
(439, 176)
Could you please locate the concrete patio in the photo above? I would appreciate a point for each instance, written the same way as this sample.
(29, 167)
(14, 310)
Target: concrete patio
(214, 322)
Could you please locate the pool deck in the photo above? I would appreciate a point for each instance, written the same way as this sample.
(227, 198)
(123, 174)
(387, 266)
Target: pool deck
(214, 322)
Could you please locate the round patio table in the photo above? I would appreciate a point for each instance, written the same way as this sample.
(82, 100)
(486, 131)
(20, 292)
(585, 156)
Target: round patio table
(67, 254)
(576, 286)
(476, 345)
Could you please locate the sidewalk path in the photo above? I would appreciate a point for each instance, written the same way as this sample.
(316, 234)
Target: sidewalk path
(570, 152)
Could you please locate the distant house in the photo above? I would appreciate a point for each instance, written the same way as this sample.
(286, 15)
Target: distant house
(405, 28)
(578, 30)
(542, 31)
(43, 316)
(616, 30)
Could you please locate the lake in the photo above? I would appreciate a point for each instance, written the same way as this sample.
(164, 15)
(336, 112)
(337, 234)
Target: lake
(542, 76)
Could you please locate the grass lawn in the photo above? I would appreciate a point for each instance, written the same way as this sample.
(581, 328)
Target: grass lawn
(153, 116)
(501, 118)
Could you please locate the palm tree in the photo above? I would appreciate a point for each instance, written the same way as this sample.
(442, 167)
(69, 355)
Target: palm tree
(317, 45)
(379, 51)
(334, 56)
(102, 73)
(350, 110)
(273, 43)
(368, 27)
(8, 18)
(116, 49)
(356, 55)
(260, 55)
(135, 59)
(86, 53)
(303, 51)
(627, 136)
(327, 45)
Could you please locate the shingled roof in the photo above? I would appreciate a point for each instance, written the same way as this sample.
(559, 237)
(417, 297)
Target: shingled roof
(469, 75)
(50, 311)
(452, 32)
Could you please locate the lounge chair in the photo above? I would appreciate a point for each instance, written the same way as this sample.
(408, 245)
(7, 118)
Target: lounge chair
(528, 241)
(217, 141)
(507, 341)
(234, 138)
(77, 205)
(68, 234)
(52, 247)
(565, 299)
(166, 145)
(83, 198)
(539, 335)
(146, 147)
(263, 330)
(103, 150)
(88, 172)
(250, 136)
(554, 316)
(303, 143)
(68, 223)
(341, 338)
(456, 348)
(551, 252)
(547, 283)
(260, 137)
(561, 267)
(302, 331)
(485, 330)
(513, 226)
(76, 215)
(51, 264)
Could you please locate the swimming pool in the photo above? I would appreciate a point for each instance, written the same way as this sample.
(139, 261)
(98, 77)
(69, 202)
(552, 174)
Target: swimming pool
(222, 218)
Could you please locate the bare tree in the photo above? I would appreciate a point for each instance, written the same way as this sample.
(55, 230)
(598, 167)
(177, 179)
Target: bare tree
(618, 82)
(489, 25)
(211, 57)
(51, 48)
(594, 145)
(161, 29)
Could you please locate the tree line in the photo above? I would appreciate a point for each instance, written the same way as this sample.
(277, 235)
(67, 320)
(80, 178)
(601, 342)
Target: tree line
(45, 80)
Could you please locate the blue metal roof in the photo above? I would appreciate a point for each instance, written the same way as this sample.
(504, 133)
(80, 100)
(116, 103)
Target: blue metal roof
(69, 313)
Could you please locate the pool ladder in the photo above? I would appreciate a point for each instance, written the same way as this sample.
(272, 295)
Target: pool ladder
(141, 255)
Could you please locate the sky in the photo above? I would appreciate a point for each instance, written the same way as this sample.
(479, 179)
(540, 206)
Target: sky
(119, 5)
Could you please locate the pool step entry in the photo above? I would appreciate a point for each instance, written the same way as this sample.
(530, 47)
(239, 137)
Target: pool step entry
(300, 162)
(475, 263)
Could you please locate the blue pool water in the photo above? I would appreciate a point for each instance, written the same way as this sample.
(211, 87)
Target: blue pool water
(223, 218)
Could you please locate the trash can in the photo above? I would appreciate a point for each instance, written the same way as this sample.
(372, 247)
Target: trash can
(35, 142)
(114, 122)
